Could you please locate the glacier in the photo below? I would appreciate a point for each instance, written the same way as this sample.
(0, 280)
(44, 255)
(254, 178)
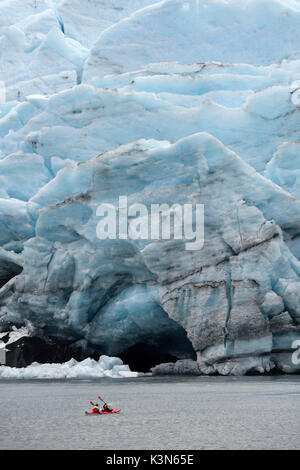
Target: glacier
(179, 101)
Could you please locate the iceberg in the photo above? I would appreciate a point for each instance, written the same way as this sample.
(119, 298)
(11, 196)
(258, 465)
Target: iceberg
(111, 367)
(182, 367)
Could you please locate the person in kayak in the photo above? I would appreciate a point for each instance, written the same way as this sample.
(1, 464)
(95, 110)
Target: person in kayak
(106, 408)
(96, 409)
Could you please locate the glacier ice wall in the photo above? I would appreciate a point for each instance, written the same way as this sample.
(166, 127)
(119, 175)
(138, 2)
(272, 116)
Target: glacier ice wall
(178, 102)
(256, 32)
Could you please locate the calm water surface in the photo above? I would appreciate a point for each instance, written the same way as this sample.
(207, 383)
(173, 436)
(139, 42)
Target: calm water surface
(157, 413)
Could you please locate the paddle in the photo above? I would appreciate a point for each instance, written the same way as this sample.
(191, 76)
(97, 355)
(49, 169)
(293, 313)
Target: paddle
(101, 399)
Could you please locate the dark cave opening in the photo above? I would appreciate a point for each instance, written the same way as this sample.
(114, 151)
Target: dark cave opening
(8, 270)
(141, 357)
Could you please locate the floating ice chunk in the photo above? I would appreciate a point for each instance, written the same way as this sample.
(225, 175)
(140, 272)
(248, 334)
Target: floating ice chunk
(88, 369)
(109, 363)
(182, 367)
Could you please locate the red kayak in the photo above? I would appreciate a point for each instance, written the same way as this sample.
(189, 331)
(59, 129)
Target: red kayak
(103, 412)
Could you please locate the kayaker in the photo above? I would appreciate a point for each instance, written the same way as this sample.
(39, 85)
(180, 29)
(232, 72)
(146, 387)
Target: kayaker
(106, 408)
(96, 408)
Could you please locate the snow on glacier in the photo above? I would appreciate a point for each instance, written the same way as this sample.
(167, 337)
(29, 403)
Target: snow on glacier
(25, 58)
(179, 101)
(258, 32)
(85, 22)
(93, 121)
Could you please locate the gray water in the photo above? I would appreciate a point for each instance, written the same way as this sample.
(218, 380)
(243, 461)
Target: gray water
(157, 413)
